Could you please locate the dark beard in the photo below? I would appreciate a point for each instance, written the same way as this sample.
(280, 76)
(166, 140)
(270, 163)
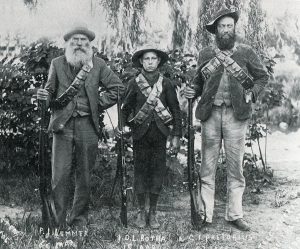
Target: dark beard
(225, 43)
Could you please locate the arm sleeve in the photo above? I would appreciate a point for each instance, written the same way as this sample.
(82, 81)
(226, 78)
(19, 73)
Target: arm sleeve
(198, 83)
(51, 83)
(111, 83)
(258, 72)
(128, 102)
(173, 104)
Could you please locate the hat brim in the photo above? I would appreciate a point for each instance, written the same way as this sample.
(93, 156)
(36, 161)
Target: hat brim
(88, 33)
(212, 26)
(137, 55)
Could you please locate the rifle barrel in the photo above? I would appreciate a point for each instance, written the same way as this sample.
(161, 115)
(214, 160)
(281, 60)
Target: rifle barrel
(122, 165)
(195, 216)
(47, 219)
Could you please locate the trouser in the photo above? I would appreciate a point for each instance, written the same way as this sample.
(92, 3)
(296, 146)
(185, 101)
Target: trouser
(150, 161)
(223, 125)
(77, 142)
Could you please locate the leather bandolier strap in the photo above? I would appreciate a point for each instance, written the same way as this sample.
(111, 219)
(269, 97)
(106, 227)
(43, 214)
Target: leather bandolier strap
(152, 102)
(232, 67)
(65, 98)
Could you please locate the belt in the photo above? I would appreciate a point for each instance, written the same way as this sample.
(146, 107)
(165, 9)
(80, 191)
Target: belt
(76, 114)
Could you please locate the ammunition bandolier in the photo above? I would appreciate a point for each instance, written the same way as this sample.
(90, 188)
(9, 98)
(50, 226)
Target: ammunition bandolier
(159, 105)
(153, 102)
(75, 137)
(233, 68)
(245, 73)
(64, 99)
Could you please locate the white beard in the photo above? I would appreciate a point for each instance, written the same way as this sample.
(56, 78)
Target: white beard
(78, 58)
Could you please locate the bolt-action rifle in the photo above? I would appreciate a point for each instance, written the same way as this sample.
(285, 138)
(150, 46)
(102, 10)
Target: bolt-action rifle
(48, 209)
(121, 166)
(194, 181)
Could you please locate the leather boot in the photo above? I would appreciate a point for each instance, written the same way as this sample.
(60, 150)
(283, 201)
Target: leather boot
(153, 222)
(240, 224)
(140, 221)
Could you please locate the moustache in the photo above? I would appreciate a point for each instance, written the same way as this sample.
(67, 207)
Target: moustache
(80, 49)
(226, 36)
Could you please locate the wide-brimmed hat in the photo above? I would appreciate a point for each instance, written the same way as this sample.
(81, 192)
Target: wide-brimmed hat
(223, 11)
(149, 48)
(80, 29)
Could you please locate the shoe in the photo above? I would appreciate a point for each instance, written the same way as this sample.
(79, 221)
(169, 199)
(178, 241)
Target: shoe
(78, 225)
(140, 221)
(153, 222)
(206, 224)
(240, 224)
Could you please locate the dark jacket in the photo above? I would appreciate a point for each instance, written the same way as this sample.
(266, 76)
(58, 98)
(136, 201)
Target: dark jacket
(134, 100)
(207, 89)
(60, 77)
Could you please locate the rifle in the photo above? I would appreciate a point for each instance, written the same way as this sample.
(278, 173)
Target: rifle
(48, 209)
(193, 179)
(121, 166)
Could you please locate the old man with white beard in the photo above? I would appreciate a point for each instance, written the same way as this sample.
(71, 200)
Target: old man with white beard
(72, 94)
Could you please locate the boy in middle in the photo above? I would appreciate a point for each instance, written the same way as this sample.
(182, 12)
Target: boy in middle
(150, 106)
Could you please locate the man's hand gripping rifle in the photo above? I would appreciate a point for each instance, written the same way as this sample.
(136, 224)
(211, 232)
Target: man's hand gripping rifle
(49, 218)
(194, 180)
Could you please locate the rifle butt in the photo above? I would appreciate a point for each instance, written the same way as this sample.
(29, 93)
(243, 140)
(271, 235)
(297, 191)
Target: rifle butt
(123, 213)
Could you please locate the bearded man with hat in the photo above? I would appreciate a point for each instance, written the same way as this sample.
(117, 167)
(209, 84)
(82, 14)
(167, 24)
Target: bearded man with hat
(150, 106)
(72, 93)
(229, 78)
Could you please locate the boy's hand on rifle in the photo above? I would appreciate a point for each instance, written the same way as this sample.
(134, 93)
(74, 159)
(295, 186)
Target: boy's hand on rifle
(175, 145)
(248, 96)
(42, 94)
(189, 92)
(119, 133)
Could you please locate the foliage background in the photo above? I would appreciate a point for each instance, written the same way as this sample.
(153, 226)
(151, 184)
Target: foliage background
(31, 36)
(121, 27)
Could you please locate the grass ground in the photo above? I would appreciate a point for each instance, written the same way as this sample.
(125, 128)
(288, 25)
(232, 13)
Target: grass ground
(105, 230)
(271, 210)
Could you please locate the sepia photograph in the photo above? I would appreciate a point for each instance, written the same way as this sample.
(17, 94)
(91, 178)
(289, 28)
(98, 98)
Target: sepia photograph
(149, 124)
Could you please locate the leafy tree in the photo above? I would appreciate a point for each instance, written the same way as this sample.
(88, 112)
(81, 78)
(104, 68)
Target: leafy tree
(127, 20)
(125, 17)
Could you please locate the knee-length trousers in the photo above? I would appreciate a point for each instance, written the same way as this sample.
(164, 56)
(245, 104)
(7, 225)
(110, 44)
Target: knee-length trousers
(150, 161)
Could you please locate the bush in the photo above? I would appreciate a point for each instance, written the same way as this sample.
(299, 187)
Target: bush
(19, 114)
(22, 75)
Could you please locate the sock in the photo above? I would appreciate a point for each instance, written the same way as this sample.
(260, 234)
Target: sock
(153, 201)
(141, 200)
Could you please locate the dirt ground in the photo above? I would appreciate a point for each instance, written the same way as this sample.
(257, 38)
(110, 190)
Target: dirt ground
(276, 220)
(273, 214)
